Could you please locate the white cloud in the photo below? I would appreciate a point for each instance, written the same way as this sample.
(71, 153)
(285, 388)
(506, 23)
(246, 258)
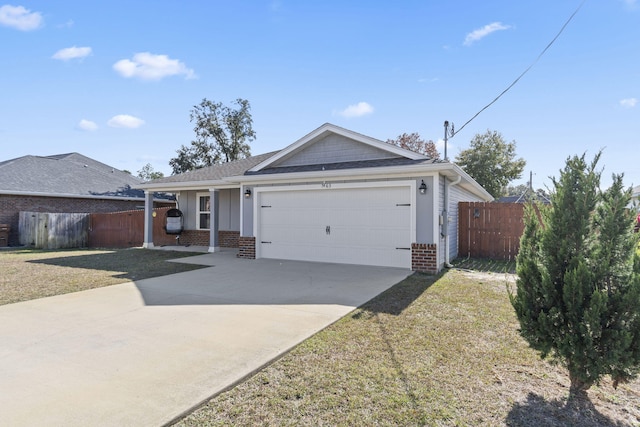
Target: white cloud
(87, 125)
(19, 18)
(71, 53)
(67, 24)
(629, 102)
(147, 66)
(480, 33)
(357, 110)
(125, 121)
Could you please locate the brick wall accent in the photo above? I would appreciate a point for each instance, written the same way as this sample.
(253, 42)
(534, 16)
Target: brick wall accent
(194, 237)
(247, 247)
(424, 257)
(228, 238)
(12, 205)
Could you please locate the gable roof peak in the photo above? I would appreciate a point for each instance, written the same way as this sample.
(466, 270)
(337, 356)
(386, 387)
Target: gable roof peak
(327, 129)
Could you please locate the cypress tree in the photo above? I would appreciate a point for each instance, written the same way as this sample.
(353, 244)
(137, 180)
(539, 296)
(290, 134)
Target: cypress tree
(578, 285)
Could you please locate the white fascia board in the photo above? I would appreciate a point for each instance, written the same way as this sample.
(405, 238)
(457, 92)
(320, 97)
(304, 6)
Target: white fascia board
(329, 128)
(443, 168)
(342, 173)
(171, 187)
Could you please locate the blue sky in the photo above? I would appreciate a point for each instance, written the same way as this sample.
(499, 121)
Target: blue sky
(116, 80)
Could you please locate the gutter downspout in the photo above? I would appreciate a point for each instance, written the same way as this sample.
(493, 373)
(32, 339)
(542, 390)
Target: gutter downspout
(445, 214)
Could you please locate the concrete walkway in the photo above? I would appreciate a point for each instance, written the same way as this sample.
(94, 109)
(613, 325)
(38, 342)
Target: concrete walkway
(143, 353)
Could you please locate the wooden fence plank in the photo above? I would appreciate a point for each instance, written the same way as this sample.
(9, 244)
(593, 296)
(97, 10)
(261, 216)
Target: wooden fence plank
(45, 230)
(126, 229)
(490, 230)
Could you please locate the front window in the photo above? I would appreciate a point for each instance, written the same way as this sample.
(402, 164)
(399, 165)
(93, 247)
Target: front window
(204, 212)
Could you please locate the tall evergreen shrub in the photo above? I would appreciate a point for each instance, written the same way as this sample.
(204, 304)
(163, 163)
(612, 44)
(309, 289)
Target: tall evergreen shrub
(578, 285)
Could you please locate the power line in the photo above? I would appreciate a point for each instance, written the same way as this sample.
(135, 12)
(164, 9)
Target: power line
(525, 71)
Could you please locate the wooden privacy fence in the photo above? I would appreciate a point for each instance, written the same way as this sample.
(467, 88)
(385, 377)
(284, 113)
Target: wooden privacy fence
(53, 230)
(126, 229)
(490, 230)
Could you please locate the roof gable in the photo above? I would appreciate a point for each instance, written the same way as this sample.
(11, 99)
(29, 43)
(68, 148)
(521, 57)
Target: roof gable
(332, 144)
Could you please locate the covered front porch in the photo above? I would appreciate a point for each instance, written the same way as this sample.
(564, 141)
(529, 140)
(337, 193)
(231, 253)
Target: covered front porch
(211, 218)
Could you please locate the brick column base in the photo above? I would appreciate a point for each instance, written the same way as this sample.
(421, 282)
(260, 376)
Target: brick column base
(424, 257)
(247, 247)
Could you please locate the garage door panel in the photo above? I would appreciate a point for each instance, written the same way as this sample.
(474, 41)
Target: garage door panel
(366, 225)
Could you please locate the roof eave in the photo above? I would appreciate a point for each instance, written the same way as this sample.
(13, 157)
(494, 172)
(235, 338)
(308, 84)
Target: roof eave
(74, 196)
(444, 168)
(172, 187)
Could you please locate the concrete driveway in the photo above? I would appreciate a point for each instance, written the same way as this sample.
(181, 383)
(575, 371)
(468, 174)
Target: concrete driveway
(143, 353)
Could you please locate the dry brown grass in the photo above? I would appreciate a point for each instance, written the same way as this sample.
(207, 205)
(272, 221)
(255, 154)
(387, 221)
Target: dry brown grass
(30, 274)
(430, 351)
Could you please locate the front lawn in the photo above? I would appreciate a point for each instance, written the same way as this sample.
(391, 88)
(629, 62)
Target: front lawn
(30, 273)
(430, 351)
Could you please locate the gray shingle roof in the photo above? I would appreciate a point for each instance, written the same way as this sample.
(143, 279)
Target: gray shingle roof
(217, 172)
(71, 173)
(398, 161)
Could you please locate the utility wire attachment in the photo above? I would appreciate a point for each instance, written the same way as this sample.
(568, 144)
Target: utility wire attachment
(447, 133)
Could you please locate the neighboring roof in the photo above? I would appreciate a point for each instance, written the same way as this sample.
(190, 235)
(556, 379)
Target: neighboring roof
(70, 174)
(522, 199)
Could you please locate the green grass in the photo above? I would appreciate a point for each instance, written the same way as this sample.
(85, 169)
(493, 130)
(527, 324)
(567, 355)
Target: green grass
(29, 274)
(430, 351)
(486, 265)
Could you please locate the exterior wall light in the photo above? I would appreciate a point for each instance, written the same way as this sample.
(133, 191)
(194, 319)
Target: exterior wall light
(423, 188)
(247, 193)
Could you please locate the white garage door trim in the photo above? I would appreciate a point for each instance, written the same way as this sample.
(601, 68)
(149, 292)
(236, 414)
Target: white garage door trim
(406, 184)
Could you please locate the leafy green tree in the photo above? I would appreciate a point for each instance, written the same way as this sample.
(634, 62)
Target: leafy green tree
(491, 162)
(578, 285)
(414, 142)
(222, 135)
(148, 173)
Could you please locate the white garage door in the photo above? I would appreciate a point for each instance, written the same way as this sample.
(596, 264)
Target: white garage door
(370, 226)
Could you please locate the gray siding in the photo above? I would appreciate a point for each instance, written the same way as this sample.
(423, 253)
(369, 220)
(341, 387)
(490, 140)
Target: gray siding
(456, 194)
(187, 204)
(228, 211)
(424, 212)
(247, 214)
(334, 149)
(441, 209)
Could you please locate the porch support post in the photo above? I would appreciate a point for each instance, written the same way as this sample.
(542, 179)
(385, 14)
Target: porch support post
(148, 220)
(214, 245)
